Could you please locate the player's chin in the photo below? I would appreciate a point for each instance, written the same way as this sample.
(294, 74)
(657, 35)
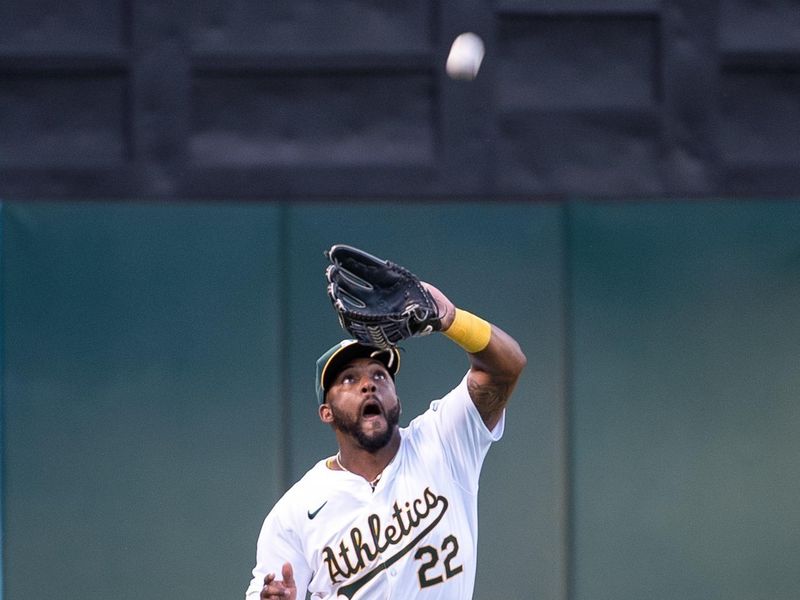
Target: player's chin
(374, 425)
(374, 437)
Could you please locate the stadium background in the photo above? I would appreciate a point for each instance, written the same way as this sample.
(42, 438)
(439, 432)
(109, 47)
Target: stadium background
(617, 189)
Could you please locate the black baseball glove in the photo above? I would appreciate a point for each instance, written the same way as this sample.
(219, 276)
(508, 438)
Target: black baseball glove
(378, 302)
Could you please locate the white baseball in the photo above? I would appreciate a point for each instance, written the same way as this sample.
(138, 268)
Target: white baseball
(466, 55)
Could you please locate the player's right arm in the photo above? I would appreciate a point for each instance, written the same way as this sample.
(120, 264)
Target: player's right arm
(280, 568)
(275, 589)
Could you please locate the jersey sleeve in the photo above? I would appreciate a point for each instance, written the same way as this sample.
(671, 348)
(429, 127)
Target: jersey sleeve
(278, 544)
(463, 434)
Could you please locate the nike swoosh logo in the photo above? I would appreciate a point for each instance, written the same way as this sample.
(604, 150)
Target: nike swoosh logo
(311, 515)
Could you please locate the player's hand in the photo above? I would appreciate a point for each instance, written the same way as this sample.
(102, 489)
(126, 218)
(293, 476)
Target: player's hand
(447, 310)
(284, 589)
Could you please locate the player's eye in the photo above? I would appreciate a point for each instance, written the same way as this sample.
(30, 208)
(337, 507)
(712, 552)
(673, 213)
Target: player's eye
(348, 378)
(380, 375)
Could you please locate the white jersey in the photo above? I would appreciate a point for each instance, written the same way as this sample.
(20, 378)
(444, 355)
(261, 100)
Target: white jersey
(415, 536)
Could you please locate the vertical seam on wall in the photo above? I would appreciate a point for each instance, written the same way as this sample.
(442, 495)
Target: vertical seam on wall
(283, 464)
(567, 508)
(2, 397)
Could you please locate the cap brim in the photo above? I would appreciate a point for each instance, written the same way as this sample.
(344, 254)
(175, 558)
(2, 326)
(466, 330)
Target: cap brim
(348, 353)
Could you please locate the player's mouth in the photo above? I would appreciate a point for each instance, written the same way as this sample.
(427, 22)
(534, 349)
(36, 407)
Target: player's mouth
(371, 409)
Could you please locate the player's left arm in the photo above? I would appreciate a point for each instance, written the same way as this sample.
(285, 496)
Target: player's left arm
(496, 359)
(494, 372)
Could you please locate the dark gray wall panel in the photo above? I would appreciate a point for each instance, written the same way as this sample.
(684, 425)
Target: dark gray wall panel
(80, 25)
(290, 100)
(50, 121)
(308, 120)
(574, 61)
(543, 150)
(760, 116)
(312, 26)
(768, 26)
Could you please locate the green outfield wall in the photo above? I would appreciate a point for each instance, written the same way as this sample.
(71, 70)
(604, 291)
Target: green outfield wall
(157, 389)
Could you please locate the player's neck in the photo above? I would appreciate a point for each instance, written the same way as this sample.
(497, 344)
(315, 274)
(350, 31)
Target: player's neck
(369, 465)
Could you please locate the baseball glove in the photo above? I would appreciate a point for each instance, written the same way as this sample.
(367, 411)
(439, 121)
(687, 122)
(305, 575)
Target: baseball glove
(378, 302)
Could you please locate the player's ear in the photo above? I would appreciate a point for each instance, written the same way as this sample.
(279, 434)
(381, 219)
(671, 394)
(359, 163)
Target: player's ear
(325, 413)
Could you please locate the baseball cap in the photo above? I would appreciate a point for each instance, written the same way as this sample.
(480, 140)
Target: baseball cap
(330, 363)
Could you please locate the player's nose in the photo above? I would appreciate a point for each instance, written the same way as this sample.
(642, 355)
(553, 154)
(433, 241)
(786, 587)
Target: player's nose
(367, 384)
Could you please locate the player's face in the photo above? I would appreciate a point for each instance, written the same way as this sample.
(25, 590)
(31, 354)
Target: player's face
(363, 403)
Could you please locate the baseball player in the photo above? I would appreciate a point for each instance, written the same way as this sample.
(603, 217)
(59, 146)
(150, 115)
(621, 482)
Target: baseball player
(393, 514)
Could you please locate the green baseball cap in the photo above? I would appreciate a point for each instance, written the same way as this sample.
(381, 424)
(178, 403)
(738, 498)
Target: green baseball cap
(330, 363)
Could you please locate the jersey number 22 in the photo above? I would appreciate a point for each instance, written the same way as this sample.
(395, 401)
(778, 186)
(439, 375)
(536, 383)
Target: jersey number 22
(430, 559)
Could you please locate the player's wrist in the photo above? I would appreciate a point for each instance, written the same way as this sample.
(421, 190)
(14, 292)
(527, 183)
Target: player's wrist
(469, 331)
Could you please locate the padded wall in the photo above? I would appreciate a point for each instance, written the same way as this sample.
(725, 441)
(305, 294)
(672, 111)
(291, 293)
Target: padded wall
(158, 389)
(159, 392)
(685, 377)
(138, 397)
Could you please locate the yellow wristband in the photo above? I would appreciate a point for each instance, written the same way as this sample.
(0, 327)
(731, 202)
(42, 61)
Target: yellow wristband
(470, 332)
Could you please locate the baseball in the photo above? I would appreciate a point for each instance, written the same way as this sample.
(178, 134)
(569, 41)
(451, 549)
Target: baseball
(466, 55)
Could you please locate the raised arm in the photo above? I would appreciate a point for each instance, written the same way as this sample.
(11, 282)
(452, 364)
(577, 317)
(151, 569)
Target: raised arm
(496, 360)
